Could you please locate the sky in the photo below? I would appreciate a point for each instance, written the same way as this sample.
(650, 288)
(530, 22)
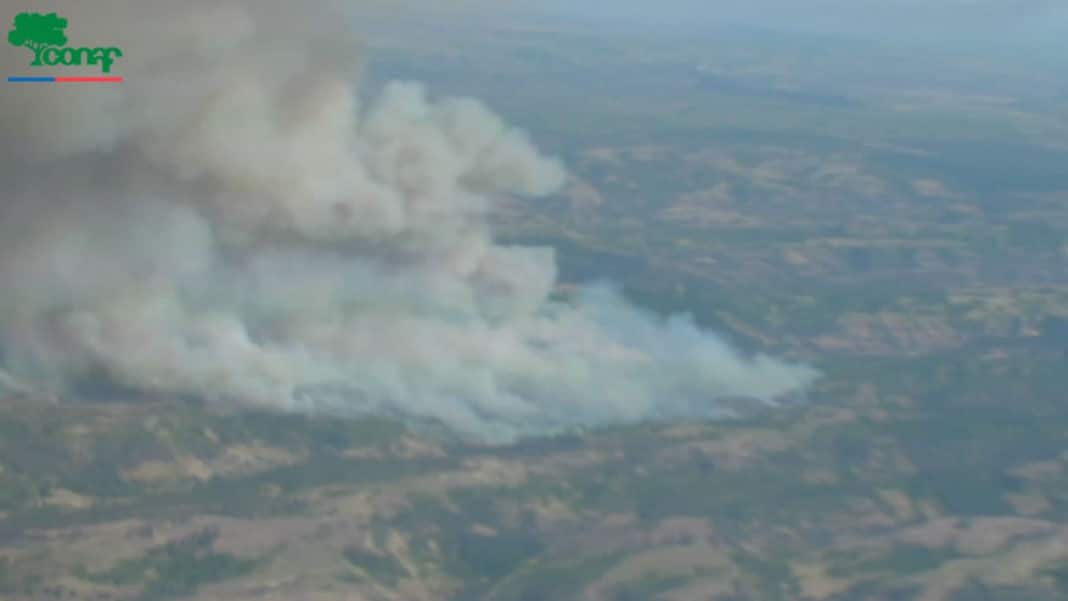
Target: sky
(970, 20)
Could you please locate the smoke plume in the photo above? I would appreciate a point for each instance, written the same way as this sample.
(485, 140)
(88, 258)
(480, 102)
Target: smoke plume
(235, 223)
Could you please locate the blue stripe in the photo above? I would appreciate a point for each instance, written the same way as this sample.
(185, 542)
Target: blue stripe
(31, 79)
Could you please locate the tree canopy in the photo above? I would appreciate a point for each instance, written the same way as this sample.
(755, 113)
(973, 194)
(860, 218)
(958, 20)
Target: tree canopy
(36, 29)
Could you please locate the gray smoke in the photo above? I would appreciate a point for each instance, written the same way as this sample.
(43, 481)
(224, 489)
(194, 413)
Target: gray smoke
(233, 223)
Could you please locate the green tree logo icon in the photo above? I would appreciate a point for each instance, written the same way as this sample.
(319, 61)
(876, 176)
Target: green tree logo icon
(38, 31)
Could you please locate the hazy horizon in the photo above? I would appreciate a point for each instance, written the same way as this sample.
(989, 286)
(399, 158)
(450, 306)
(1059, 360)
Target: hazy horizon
(912, 19)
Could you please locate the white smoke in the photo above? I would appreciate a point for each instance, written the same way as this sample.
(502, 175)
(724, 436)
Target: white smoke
(233, 224)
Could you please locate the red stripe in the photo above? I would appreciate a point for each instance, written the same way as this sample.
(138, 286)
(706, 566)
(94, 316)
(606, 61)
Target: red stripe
(88, 79)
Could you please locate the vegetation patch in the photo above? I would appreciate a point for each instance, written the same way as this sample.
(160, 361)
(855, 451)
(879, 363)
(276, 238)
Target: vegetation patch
(901, 559)
(176, 569)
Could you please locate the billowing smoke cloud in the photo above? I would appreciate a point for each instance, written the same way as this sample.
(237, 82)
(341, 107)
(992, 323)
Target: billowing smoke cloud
(233, 223)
